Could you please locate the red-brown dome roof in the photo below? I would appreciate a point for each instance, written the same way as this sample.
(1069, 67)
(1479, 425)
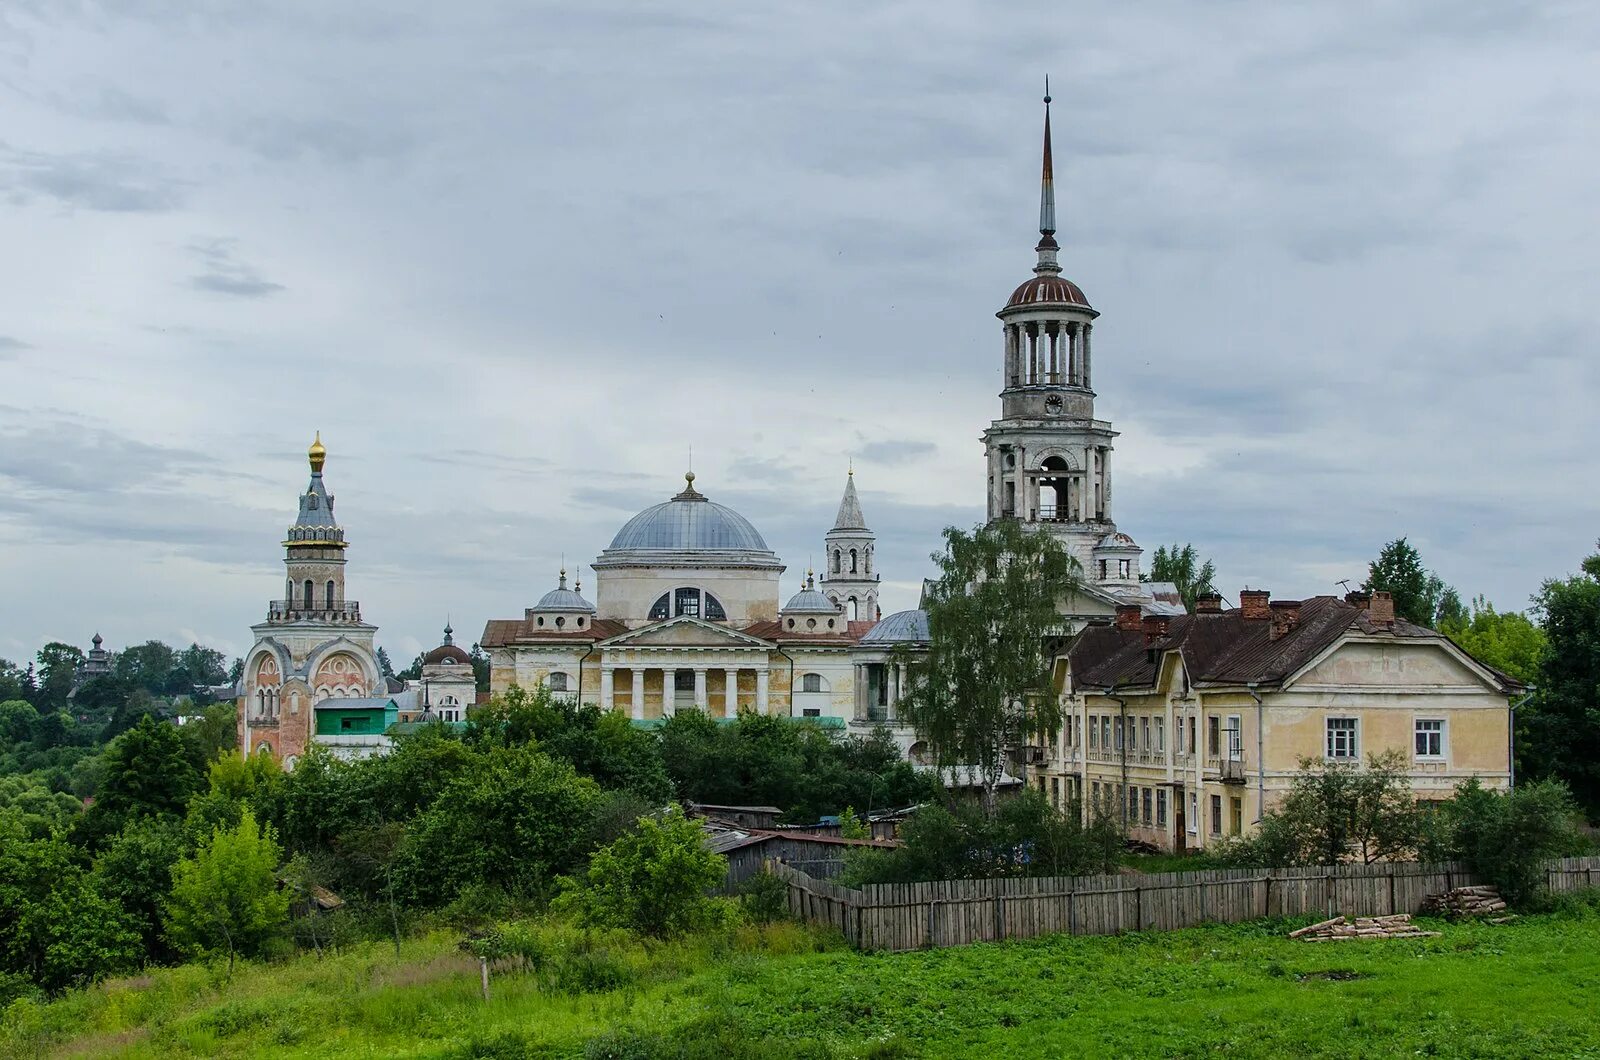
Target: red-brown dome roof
(1052, 290)
(446, 651)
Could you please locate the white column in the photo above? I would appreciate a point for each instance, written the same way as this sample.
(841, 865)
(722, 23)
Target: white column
(761, 690)
(668, 692)
(606, 678)
(731, 697)
(638, 693)
(1083, 356)
(1105, 481)
(700, 687)
(1086, 496)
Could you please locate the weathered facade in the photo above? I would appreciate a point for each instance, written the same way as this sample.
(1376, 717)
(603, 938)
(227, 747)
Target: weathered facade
(1186, 728)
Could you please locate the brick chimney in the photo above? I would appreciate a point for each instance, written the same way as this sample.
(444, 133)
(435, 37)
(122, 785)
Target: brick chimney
(1208, 604)
(1285, 616)
(1381, 611)
(1357, 598)
(1155, 627)
(1128, 618)
(1254, 606)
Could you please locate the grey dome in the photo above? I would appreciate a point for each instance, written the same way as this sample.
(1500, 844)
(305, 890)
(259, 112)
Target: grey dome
(564, 599)
(810, 601)
(902, 627)
(1117, 540)
(689, 523)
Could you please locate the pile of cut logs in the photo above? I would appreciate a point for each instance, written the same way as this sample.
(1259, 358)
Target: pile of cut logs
(1465, 901)
(1339, 929)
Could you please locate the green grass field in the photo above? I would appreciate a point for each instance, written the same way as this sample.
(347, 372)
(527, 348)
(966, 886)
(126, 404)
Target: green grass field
(1524, 989)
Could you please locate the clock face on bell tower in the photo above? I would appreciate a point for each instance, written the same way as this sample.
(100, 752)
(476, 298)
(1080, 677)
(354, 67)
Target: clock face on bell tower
(1052, 404)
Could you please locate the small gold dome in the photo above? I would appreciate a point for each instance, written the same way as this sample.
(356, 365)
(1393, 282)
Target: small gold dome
(318, 455)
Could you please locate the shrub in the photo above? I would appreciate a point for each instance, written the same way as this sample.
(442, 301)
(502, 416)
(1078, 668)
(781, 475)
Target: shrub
(653, 880)
(765, 897)
(1505, 837)
(226, 899)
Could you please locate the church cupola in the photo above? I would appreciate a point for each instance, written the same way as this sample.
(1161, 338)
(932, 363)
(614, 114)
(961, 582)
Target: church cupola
(849, 574)
(1047, 323)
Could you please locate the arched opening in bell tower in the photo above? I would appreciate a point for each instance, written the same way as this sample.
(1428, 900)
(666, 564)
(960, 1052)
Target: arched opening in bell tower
(1055, 490)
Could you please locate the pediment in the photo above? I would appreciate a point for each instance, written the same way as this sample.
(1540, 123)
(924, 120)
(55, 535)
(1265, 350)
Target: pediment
(684, 632)
(1400, 664)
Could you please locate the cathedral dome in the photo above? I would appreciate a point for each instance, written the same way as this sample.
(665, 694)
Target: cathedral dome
(564, 599)
(689, 523)
(810, 600)
(1047, 290)
(902, 627)
(443, 652)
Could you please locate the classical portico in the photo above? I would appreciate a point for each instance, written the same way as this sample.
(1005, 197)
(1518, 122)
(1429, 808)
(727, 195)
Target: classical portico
(685, 663)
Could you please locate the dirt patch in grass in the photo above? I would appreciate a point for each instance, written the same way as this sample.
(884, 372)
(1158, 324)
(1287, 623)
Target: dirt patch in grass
(105, 1044)
(444, 966)
(1332, 975)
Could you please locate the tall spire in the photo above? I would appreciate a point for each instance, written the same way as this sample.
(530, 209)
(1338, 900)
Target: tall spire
(850, 517)
(1047, 201)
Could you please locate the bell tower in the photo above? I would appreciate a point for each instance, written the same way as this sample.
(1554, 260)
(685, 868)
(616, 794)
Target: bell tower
(314, 553)
(1049, 459)
(849, 568)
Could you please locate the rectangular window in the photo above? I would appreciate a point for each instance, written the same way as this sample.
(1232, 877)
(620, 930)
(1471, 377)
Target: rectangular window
(1094, 731)
(1342, 742)
(1213, 736)
(1161, 807)
(1133, 805)
(1430, 738)
(1235, 739)
(688, 602)
(1120, 743)
(1194, 745)
(1236, 825)
(1194, 813)
(1161, 734)
(1094, 792)
(1216, 815)
(1144, 733)
(1055, 792)
(1145, 798)
(1105, 732)
(811, 712)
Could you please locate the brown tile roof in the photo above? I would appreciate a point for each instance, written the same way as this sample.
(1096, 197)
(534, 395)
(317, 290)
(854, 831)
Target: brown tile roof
(504, 632)
(1225, 649)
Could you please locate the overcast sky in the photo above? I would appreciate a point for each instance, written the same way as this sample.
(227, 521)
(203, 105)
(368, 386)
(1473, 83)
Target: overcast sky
(513, 260)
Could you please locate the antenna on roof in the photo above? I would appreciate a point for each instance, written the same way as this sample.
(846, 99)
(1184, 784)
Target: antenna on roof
(1343, 583)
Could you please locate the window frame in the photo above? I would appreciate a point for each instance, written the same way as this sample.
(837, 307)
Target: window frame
(1353, 742)
(1440, 735)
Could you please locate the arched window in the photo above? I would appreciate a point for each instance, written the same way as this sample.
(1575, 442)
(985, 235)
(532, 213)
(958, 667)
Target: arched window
(853, 608)
(714, 609)
(836, 561)
(813, 683)
(868, 561)
(309, 602)
(330, 594)
(560, 621)
(687, 602)
(662, 608)
(557, 682)
(852, 561)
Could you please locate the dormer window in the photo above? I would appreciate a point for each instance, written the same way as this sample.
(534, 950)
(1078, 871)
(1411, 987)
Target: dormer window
(311, 500)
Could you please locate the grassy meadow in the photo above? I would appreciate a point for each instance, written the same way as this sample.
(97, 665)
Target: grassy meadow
(1522, 989)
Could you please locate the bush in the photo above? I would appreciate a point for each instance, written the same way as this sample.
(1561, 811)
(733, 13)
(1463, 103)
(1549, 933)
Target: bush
(1505, 837)
(765, 897)
(653, 880)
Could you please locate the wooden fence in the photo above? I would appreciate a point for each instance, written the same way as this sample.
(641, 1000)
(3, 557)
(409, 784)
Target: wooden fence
(914, 916)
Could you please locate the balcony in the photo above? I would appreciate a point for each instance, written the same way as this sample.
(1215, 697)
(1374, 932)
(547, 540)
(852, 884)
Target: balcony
(1232, 771)
(1052, 513)
(286, 611)
(261, 719)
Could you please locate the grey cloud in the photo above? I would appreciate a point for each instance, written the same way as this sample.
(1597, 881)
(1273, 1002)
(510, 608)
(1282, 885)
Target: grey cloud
(333, 141)
(896, 452)
(90, 180)
(224, 274)
(10, 347)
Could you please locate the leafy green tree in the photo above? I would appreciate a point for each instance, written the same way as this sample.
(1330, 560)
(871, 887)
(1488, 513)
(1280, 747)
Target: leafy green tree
(135, 871)
(1181, 565)
(16, 682)
(480, 667)
(32, 804)
(203, 666)
(58, 672)
(1398, 570)
(148, 771)
(1338, 811)
(58, 930)
(512, 822)
(17, 719)
(1560, 728)
(983, 687)
(99, 699)
(214, 732)
(653, 880)
(851, 827)
(1451, 611)
(1510, 641)
(148, 666)
(385, 667)
(226, 898)
(1506, 837)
